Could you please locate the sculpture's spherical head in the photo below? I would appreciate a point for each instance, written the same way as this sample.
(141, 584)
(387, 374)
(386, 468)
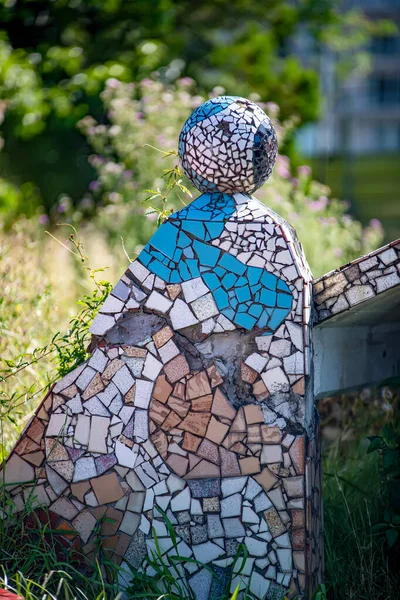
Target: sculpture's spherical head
(229, 145)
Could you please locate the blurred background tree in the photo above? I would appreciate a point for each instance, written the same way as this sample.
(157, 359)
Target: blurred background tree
(55, 57)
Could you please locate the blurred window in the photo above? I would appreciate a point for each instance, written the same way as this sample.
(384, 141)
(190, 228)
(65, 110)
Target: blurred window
(385, 90)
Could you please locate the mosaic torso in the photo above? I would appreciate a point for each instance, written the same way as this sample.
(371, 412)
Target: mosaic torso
(193, 402)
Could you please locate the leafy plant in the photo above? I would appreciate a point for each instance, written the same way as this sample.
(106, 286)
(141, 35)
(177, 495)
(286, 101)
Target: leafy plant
(387, 445)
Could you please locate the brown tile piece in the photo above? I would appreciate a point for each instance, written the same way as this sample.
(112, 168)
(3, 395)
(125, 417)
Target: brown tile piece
(239, 424)
(232, 438)
(95, 386)
(179, 464)
(214, 375)
(274, 522)
(247, 374)
(202, 404)
(239, 448)
(130, 396)
(190, 442)
(35, 430)
(216, 431)
(111, 522)
(79, 489)
(229, 463)
(26, 445)
(114, 366)
(162, 336)
(198, 385)
(180, 391)
(158, 412)
(171, 421)
(174, 290)
(160, 441)
(209, 451)
(203, 470)
(298, 539)
(64, 527)
(107, 488)
(162, 389)
(55, 451)
(250, 465)
(296, 452)
(298, 519)
(253, 414)
(195, 423)
(177, 368)
(135, 352)
(70, 392)
(266, 479)
(270, 435)
(221, 406)
(181, 407)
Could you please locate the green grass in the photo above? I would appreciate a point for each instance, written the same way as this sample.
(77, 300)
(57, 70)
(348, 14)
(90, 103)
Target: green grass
(371, 183)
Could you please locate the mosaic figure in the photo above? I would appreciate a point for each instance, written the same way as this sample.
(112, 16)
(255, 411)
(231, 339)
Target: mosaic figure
(194, 399)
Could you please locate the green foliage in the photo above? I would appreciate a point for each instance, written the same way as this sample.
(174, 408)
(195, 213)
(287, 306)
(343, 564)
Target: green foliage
(29, 362)
(357, 561)
(55, 58)
(151, 114)
(387, 445)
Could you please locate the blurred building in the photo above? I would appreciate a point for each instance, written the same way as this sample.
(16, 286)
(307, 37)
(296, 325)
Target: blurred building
(355, 148)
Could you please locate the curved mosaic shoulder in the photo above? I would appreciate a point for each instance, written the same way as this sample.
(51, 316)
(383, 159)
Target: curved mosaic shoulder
(224, 262)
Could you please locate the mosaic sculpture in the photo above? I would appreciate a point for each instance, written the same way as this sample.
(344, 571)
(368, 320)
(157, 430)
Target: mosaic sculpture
(196, 397)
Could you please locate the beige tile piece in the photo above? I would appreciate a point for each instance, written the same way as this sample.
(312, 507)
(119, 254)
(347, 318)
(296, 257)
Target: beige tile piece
(296, 452)
(239, 423)
(160, 441)
(180, 391)
(98, 434)
(254, 434)
(181, 407)
(299, 387)
(196, 423)
(248, 374)
(179, 464)
(63, 507)
(203, 470)
(174, 290)
(198, 385)
(202, 404)
(270, 435)
(173, 420)
(84, 524)
(18, 470)
(232, 438)
(216, 431)
(221, 406)
(214, 375)
(260, 390)
(253, 414)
